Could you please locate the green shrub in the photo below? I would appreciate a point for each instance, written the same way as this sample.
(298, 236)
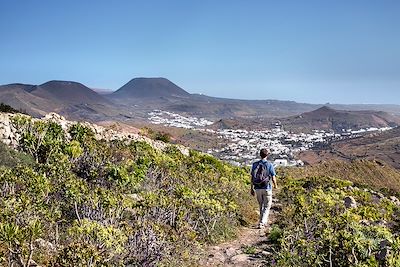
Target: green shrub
(162, 136)
(275, 234)
(315, 229)
(80, 133)
(156, 135)
(11, 158)
(112, 203)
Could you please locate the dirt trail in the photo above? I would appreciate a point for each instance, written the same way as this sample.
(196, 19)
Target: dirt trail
(250, 248)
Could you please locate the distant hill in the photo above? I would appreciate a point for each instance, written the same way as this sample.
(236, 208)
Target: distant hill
(68, 92)
(146, 94)
(383, 147)
(18, 86)
(326, 118)
(19, 97)
(68, 98)
(149, 88)
(138, 97)
(389, 108)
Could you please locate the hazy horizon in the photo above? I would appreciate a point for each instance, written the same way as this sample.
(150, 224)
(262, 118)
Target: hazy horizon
(344, 52)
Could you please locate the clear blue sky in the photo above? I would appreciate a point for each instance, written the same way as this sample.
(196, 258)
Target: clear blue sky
(341, 51)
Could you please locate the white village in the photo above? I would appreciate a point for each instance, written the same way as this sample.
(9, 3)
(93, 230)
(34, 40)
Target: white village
(243, 145)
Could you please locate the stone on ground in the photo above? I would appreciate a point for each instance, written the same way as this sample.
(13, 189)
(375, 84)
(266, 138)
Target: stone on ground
(240, 258)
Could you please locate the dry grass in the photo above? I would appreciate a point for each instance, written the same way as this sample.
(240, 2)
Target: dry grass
(363, 172)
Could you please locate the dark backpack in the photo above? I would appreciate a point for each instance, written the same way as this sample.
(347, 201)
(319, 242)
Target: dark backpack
(260, 175)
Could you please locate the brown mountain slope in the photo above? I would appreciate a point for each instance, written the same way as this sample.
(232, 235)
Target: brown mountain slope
(68, 92)
(18, 96)
(326, 118)
(383, 147)
(18, 86)
(149, 88)
(70, 99)
(138, 97)
(146, 94)
(365, 172)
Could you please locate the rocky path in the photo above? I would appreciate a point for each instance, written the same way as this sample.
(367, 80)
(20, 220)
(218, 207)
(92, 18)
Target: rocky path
(250, 248)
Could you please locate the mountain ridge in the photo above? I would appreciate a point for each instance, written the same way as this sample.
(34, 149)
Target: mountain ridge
(68, 91)
(149, 88)
(375, 146)
(323, 118)
(329, 118)
(138, 97)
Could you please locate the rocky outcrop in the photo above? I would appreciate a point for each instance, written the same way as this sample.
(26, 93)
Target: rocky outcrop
(350, 202)
(9, 134)
(42, 244)
(376, 197)
(238, 259)
(395, 200)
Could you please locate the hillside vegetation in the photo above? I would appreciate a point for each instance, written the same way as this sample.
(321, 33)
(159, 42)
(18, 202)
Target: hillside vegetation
(88, 202)
(70, 199)
(317, 228)
(11, 158)
(373, 174)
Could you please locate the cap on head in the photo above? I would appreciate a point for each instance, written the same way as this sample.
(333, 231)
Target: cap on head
(264, 153)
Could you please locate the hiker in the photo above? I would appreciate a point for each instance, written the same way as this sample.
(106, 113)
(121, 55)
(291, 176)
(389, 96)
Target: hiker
(262, 177)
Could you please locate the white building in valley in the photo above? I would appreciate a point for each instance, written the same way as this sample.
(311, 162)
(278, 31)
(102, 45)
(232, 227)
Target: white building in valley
(243, 145)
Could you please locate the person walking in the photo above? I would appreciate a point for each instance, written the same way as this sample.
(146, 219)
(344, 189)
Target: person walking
(263, 179)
